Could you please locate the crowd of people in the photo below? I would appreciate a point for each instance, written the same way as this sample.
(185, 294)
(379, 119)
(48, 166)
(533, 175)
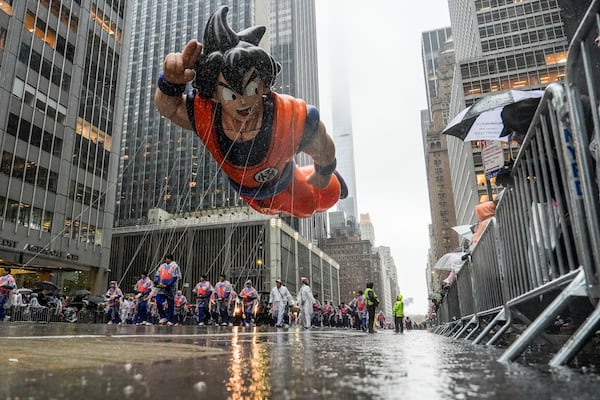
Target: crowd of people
(157, 301)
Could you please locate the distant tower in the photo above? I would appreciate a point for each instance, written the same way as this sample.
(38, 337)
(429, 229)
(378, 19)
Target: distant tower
(341, 110)
(367, 231)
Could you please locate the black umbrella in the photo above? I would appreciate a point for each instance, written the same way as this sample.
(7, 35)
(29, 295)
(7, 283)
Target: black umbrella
(45, 285)
(82, 293)
(96, 299)
(482, 120)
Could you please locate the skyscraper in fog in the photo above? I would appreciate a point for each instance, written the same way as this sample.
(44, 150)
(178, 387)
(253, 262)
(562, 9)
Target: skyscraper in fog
(293, 42)
(341, 111)
(63, 68)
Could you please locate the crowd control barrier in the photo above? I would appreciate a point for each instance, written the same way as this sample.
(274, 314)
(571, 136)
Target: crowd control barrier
(539, 257)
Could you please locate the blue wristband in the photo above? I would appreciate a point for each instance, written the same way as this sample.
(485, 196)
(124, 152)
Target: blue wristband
(170, 89)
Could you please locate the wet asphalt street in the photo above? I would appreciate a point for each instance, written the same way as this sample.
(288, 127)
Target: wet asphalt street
(79, 361)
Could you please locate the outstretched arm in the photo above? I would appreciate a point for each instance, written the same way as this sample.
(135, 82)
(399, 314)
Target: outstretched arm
(322, 150)
(178, 69)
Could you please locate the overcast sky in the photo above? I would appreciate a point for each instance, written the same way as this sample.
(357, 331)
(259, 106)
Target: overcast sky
(387, 95)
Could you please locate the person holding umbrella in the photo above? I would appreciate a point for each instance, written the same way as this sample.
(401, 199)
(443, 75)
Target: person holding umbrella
(7, 285)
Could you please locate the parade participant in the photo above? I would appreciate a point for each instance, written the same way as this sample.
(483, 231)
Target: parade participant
(213, 307)
(381, 320)
(372, 302)
(326, 311)
(223, 291)
(203, 290)
(279, 299)
(7, 285)
(305, 302)
(252, 132)
(113, 295)
(316, 315)
(143, 287)
(345, 312)
(399, 315)
(165, 280)
(180, 302)
(249, 296)
(361, 310)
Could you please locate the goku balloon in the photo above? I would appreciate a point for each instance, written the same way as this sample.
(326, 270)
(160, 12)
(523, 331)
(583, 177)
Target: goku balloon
(252, 132)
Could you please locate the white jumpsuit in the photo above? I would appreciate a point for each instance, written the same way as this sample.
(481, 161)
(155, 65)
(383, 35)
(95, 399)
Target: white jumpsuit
(305, 302)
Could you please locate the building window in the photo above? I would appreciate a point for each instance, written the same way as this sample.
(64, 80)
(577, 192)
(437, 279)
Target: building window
(24, 214)
(29, 170)
(6, 6)
(2, 37)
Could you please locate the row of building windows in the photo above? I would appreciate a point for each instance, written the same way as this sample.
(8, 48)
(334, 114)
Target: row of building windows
(90, 156)
(521, 24)
(26, 215)
(49, 36)
(86, 233)
(43, 66)
(38, 99)
(87, 196)
(515, 81)
(523, 39)
(104, 21)
(513, 62)
(492, 14)
(20, 168)
(2, 37)
(62, 12)
(34, 135)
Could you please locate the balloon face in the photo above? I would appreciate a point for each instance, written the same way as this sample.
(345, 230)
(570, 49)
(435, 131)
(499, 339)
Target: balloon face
(240, 106)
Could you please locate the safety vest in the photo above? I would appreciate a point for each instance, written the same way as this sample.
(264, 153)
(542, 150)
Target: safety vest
(180, 301)
(202, 289)
(113, 292)
(249, 294)
(344, 310)
(223, 289)
(367, 299)
(143, 285)
(360, 303)
(166, 271)
(326, 309)
(288, 128)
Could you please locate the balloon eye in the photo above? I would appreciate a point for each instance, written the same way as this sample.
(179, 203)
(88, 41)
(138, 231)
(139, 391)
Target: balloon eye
(228, 94)
(251, 89)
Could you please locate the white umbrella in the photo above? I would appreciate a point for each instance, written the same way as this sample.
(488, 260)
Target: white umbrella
(482, 120)
(451, 261)
(463, 231)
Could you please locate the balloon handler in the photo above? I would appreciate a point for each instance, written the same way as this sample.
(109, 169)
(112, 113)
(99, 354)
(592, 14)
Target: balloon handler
(252, 132)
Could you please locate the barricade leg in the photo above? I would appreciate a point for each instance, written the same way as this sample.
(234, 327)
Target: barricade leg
(544, 319)
(473, 320)
(499, 317)
(578, 340)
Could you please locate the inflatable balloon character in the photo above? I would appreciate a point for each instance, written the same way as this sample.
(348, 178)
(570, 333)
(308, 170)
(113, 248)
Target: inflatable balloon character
(252, 132)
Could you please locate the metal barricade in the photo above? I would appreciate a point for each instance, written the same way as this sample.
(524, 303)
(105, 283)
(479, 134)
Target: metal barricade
(464, 286)
(486, 281)
(26, 313)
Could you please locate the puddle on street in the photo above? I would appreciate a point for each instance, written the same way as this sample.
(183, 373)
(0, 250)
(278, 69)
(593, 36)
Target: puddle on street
(259, 364)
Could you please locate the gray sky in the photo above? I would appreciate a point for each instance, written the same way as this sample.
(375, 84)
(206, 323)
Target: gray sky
(387, 95)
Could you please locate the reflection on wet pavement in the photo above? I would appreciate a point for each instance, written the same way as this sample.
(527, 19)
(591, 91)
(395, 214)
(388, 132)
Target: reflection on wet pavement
(241, 363)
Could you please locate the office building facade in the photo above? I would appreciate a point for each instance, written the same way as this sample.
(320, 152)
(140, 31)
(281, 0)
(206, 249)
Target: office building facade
(499, 45)
(63, 68)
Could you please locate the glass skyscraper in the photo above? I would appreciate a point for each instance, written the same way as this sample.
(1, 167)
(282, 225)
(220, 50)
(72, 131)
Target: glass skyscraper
(63, 69)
